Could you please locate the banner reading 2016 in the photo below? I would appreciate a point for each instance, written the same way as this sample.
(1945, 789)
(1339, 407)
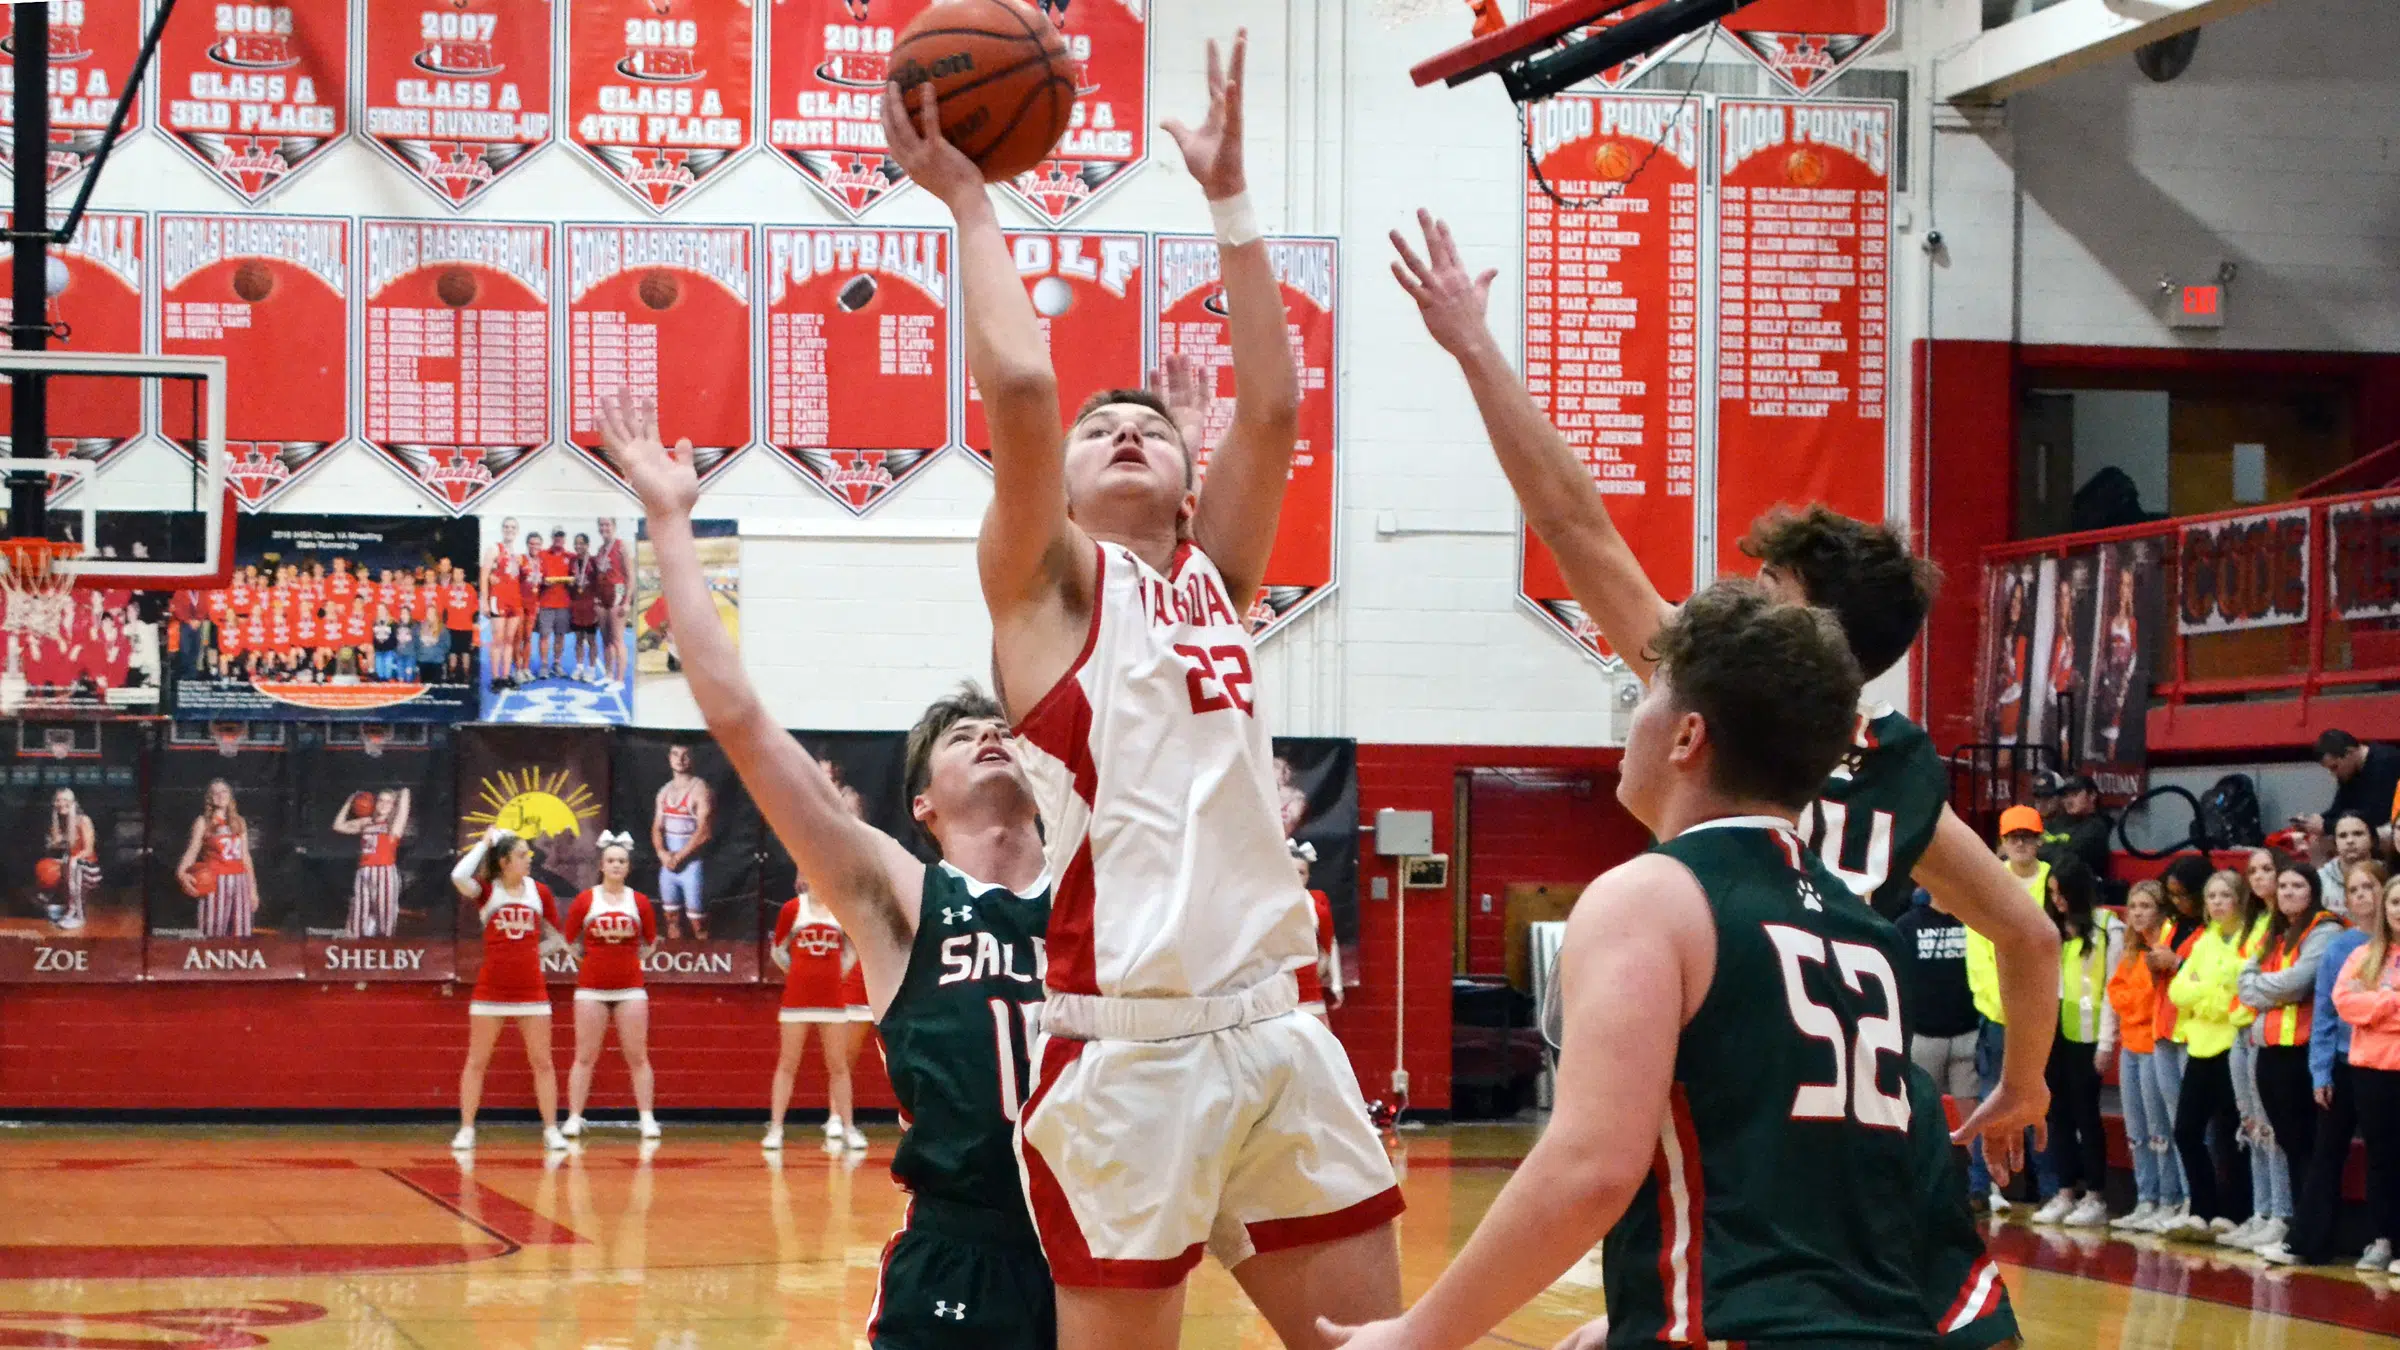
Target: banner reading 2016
(1192, 321)
(458, 94)
(659, 91)
(256, 92)
(1804, 220)
(1109, 130)
(1611, 312)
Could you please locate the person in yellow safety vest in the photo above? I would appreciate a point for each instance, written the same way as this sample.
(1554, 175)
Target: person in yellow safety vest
(2209, 1014)
(2279, 982)
(2020, 847)
(2090, 941)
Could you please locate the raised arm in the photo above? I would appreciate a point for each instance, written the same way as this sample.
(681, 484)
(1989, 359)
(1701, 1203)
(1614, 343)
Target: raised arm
(1029, 551)
(1968, 882)
(1551, 481)
(1252, 465)
(462, 877)
(400, 816)
(867, 879)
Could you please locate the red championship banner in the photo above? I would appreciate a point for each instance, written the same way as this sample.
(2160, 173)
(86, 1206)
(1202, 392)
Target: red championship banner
(1088, 289)
(457, 355)
(96, 281)
(93, 44)
(1611, 313)
(1804, 223)
(659, 91)
(270, 294)
(1109, 132)
(858, 355)
(1624, 72)
(256, 91)
(458, 91)
(827, 61)
(644, 296)
(1804, 43)
(1192, 322)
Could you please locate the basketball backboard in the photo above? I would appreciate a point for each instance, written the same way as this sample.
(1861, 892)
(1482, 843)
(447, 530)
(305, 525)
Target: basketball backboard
(1544, 54)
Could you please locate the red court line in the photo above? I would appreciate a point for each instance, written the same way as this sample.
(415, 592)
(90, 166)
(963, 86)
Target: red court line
(487, 1209)
(2333, 1300)
(186, 1260)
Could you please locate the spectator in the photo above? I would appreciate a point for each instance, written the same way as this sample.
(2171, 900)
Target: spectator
(2315, 1218)
(2279, 982)
(2367, 994)
(2020, 845)
(2365, 777)
(2353, 843)
(2211, 1018)
(2147, 1080)
(2079, 827)
(2091, 941)
(2270, 1176)
(1934, 985)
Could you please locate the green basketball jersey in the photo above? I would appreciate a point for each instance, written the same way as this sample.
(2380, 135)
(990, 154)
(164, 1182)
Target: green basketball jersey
(1963, 1293)
(1879, 809)
(1781, 1205)
(958, 1039)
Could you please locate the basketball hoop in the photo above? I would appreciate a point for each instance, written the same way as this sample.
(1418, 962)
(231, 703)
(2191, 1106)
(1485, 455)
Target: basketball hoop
(59, 741)
(372, 737)
(39, 598)
(228, 736)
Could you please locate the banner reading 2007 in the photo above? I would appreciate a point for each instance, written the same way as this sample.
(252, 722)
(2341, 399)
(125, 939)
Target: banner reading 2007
(255, 92)
(658, 91)
(458, 94)
(1611, 310)
(858, 355)
(1109, 130)
(1193, 321)
(1804, 220)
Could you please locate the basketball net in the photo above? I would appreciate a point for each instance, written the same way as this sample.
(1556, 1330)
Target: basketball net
(36, 601)
(228, 737)
(372, 737)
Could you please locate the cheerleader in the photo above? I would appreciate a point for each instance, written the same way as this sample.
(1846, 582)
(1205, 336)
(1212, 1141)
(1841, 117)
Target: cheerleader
(614, 928)
(375, 890)
(520, 919)
(215, 869)
(74, 847)
(1326, 975)
(824, 986)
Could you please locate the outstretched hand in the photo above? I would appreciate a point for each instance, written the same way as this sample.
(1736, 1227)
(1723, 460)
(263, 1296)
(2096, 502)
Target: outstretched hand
(912, 132)
(664, 479)
(1452, 302)
(1214, 152)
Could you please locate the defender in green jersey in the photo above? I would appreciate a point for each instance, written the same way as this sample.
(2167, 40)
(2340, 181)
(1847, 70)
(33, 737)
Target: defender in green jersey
(952, 952)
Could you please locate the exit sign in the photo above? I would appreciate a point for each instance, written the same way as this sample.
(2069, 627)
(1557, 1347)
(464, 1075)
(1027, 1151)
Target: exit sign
(2196, 307)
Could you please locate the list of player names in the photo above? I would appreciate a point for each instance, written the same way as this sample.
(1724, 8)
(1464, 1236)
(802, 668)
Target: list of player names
(1803, 276)
(442, 376)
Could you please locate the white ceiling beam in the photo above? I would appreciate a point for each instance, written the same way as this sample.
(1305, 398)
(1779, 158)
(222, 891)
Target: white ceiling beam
(2066, 37)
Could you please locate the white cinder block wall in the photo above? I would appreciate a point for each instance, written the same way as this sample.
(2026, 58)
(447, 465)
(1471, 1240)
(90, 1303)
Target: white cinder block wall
(2277, 151)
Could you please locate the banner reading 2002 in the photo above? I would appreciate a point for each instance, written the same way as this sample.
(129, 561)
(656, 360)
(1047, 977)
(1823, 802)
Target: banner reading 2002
(255, 92)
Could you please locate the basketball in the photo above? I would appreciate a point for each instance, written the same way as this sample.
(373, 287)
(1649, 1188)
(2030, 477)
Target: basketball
(200, 880)
(48, 872)
(660, 290)
(1002, 77)
(1612, 162)
(457, 287)
(362, 804)
(1806, 168)
(253, 281)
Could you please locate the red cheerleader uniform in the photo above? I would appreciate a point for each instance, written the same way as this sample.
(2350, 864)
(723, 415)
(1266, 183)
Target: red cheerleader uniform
(1312, 983)
(814, 981)
(612, 930)
(511, 984)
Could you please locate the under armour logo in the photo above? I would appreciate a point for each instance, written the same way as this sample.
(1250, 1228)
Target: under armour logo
(956, 1312)
(958, 914)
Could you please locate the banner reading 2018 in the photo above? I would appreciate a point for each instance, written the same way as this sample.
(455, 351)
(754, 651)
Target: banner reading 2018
(1804, 230)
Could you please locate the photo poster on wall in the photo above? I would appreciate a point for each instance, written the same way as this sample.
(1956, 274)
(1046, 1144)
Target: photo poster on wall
(659, 91)
(458, 95)
(93, 49)
(371, 820)
(558, 620)
(660, 315)
(73, 799)
(696, 846)
(255, 93)
(227, 897)
(2005, 652)
(1108, 130)
(1316, 788)
(2131, 618)
(549, 786)
(97, 285)
(1193, 321)
(657, 671)
(355, 618)
(870, 769)
(2066, 587)
(109, 656)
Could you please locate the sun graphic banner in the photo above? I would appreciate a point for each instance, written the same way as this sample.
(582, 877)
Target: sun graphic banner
(342, 618)
(255, 92)
(1091, 293)
(659, 91)
(558, 620)
(92, 49)
(827, 63)
(546, 785)
(226, 896)
(72, 802)
(666, 696)
(271, 295)
(870, 770)
(458, 94)
(661, 314)
(97, 282)
(1108, 130)
(696, 840)
(371, 815)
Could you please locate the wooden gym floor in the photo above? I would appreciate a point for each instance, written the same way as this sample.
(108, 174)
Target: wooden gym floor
(372, 1237)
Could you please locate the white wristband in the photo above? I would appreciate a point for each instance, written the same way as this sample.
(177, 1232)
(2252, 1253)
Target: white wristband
(1236, 221)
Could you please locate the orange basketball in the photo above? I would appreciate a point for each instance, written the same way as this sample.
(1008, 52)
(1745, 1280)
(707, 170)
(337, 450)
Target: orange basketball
(1001, 73)
(362, 804)
(200, 880)
(48, 872)
(1805, 168)
(1613, 162)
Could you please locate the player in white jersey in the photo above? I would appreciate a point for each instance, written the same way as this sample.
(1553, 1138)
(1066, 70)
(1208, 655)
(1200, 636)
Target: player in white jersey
(1182, 1102)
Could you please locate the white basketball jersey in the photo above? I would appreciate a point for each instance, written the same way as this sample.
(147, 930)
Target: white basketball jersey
(1156, 782)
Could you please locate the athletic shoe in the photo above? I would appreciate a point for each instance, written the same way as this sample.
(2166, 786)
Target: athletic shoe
(2189, 1227)
(2091, 1212)
(2000, 1203)
(2138, 1221)
(57, 913)
(649, 1126)
(552, 1140)
(2279, 1254)
(854, 1141)
(2245, 1236)
(2054, 1210)
(464, 1140)
(2168, 1217)
(833, 1128)
(2393, 1268)
(573, 1129)
(68, 923)
(2378, 1255)
(2269, 1233)
(773, 1143)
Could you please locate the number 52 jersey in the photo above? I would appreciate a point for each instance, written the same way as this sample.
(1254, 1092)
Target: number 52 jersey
(1782, 1204)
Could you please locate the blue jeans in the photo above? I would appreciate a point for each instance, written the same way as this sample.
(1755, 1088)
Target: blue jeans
(2150, 1123)
(1990, 1047)
(2270, 1171)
